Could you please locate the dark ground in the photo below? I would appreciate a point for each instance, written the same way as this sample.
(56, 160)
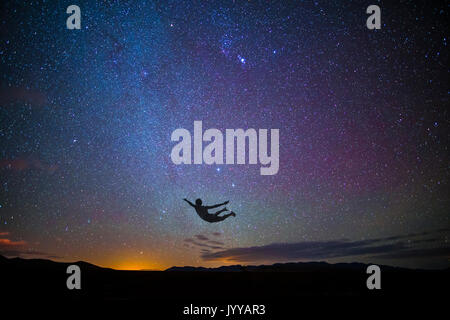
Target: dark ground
(282, 287)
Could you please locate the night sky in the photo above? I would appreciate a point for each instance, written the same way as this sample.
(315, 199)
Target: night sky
(86, 118)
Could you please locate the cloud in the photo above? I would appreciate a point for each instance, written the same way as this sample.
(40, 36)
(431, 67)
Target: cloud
(22, 253)
(418, 253)
(308, 250)
(202, 241)
(220, 243)
(11, 248)
(201, 237)
(417, 234)
(205, 245)
(384, 248)
(9, 243)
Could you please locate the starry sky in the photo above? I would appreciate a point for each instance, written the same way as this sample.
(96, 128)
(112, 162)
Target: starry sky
(86, 118)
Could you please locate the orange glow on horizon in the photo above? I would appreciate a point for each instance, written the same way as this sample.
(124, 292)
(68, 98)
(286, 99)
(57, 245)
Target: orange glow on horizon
(136, 266)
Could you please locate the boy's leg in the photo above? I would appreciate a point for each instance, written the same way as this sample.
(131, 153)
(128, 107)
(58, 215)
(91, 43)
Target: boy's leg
(226, 216)
(220, 211)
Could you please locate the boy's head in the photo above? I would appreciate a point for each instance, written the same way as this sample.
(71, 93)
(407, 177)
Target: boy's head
(198, 202)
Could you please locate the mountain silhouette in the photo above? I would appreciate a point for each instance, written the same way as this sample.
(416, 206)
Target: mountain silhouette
(280, 282)
(284, 267)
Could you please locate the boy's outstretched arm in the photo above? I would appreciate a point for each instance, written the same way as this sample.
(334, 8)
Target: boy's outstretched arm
(217, 205)
(190, 203)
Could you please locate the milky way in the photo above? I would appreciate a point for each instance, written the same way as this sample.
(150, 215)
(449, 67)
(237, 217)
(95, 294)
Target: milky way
(87, 115)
